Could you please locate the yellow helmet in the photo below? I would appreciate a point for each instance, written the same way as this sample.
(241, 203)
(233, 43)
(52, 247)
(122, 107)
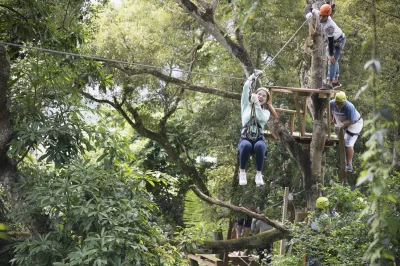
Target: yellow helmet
(340, 97)
(322, 203)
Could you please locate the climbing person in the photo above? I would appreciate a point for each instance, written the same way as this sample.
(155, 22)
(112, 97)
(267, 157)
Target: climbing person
(345, 115)
(254, 116)
(264, 251)
(319, 223)
(336, 41)
(243, 224)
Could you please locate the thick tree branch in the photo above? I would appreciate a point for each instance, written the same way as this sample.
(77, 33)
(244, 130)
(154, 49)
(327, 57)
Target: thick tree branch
(256, 241)
(232, 207)
(5, 124)
(206, 19)
(161, 139)
(15, 11)
(182, 83)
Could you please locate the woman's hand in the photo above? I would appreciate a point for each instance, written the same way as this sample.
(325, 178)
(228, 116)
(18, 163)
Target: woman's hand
(254, 98)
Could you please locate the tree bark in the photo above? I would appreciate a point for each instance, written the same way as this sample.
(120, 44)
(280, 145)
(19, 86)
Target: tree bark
(396, 151)
(8, 172)
(206, 19)
(320, 127)
(251, 242)
(232, 207)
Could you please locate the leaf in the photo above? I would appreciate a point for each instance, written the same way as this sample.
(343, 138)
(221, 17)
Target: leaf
(374, 65)
(102, 157)
(361, 90)
(387, 113)
(391, 198)
(367, 177)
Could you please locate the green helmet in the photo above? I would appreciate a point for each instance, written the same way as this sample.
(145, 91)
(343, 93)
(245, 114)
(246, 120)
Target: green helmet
(340, 97)
(322, 202)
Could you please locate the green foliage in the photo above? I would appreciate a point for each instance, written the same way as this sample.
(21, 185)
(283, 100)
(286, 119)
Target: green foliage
(97, 216)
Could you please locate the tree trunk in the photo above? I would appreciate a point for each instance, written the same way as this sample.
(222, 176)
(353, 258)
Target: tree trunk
(396, 151)
(8, 172)
(320, 127)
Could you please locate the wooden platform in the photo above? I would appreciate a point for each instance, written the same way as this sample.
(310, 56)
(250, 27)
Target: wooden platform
(300, 112)
(212, 260)
(333, 140)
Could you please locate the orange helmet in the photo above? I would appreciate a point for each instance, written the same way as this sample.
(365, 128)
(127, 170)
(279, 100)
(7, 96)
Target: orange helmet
(325, 10)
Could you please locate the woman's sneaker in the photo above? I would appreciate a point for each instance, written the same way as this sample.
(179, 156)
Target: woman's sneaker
(259, 180)
(349, 168)
(242, 178)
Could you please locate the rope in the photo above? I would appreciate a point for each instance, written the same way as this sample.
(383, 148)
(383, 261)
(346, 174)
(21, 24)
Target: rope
(95, 58)
(283, 47)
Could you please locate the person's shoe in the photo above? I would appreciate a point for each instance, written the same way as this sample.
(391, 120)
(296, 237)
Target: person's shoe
(336, 84)
(242, 178)
(349, 168)
(259, 180)
(326, 87)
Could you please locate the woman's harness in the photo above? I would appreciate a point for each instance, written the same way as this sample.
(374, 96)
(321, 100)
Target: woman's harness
(252, 130)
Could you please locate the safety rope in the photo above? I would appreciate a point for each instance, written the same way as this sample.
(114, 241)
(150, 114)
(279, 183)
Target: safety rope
(283, 47)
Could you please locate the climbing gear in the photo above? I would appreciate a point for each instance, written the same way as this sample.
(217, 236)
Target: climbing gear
(338, 41)
(259, 179)
(283, 47)
(252, 130)
(242, 178)
(325, 10)
(322, 203)
(340, 97)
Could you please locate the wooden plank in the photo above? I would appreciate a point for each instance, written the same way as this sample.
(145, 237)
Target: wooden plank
(293, 89)
(280, 90)
(292, 125)
(305, 112)
(284, 217)
(297, 104)
(272, 110)
(285, 110)
(342, 160)
(211, 257)
(303, 94)
(202, 261)
(328, 110)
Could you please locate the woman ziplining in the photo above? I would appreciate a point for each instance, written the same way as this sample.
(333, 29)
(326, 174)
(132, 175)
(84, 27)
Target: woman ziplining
(254, 116)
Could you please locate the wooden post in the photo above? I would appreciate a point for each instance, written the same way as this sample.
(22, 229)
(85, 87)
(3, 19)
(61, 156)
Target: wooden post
(218, 236)
(328, 111)
(305, 111)
(298, 112)
(284, 217)
(342, 159)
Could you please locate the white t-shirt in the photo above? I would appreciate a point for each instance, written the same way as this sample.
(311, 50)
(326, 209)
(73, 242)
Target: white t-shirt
(329, 28)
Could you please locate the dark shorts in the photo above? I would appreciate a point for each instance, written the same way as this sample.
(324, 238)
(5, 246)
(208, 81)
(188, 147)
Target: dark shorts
(246, 222)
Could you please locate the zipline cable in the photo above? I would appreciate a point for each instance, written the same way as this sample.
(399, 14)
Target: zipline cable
(95, 58)
(283, 47)
(113, 60)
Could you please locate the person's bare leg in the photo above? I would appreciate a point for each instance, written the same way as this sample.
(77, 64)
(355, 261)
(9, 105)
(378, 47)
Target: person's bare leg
(239, 231)
(246, 231)
(349, 155)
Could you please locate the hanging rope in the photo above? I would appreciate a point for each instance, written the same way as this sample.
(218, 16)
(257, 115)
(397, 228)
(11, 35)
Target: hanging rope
(283, 47)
